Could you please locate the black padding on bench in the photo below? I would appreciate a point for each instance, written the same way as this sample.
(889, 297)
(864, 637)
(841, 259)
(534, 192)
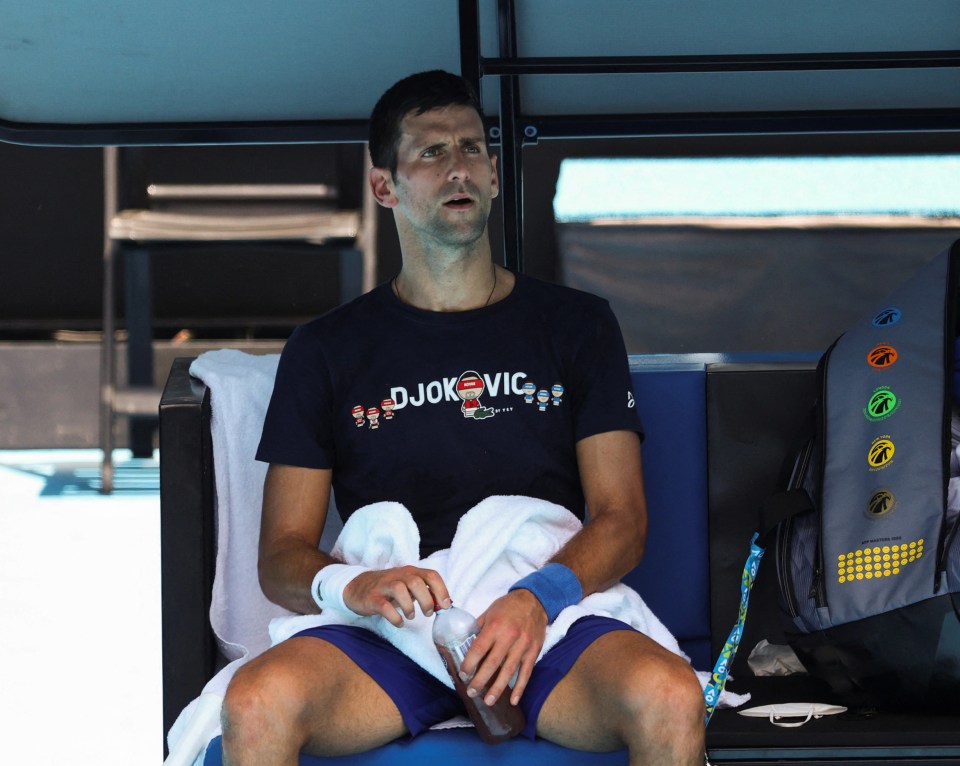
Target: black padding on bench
(187, 542)
(753, 415)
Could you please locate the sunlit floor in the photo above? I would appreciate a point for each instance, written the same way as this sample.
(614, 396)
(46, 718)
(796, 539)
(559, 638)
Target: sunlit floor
(80, 663)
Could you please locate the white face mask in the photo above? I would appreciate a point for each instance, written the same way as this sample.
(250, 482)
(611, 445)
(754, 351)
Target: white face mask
(792, 710)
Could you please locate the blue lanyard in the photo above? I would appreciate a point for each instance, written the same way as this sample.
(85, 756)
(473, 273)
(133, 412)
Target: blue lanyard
(711, 694)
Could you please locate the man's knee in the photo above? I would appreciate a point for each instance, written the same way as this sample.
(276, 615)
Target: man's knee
(260, 704)
(664, 690)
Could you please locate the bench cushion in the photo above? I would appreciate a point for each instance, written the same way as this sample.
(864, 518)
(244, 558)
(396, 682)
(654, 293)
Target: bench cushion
(454, 746)
(673, 577)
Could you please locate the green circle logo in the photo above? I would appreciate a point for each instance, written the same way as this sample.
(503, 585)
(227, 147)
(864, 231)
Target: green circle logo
(882, 404)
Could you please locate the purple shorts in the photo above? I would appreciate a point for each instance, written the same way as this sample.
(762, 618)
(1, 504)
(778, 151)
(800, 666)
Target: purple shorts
(423, 701)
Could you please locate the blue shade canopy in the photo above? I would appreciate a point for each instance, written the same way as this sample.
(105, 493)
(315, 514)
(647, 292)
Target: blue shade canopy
(109, 61)
(761, 186)
(74, 63)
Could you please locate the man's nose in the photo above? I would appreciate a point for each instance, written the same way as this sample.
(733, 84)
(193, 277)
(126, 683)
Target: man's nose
(459, 169)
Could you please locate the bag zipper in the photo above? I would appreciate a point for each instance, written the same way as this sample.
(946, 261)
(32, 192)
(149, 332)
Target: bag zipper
(783, 567)
(797, 478)
(818, 590)
(949, 332)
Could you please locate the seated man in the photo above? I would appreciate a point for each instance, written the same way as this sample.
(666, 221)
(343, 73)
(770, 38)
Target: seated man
(420, 392)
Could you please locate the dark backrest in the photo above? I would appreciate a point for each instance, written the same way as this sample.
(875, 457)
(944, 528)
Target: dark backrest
(755, 412)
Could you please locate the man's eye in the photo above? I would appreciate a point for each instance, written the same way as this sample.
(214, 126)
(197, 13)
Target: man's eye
(431, 152)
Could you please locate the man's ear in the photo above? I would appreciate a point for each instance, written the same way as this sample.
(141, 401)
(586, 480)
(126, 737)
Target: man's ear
(495, 180)
(381, 183)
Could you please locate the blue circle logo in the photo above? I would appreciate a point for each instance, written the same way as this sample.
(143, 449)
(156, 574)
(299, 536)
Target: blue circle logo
(887, 317)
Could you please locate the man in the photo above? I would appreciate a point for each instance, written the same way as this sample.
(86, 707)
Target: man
(336, 689)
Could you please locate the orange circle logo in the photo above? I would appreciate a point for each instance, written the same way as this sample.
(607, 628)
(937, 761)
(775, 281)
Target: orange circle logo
(882, 356)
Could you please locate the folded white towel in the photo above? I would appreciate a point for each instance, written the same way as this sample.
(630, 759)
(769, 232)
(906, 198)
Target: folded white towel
(240, 386)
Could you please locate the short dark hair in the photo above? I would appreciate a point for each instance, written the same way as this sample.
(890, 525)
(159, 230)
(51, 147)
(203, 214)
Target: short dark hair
(417, 93)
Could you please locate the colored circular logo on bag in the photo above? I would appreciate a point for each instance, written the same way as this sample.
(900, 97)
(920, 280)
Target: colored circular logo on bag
(882, 502)
(882, 356)
(882, 404)
(887, 317)
(881, 452)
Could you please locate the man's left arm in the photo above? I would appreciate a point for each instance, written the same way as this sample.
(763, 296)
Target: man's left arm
(609, 545)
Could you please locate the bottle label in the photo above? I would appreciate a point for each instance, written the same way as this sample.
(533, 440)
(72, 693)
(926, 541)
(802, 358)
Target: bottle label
(459, 652)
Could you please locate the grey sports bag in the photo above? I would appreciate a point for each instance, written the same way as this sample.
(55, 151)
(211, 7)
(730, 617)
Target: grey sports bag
(865, 538)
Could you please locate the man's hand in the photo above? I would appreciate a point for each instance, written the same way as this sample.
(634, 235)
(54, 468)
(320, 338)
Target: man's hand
(390, 592)
(512, 632)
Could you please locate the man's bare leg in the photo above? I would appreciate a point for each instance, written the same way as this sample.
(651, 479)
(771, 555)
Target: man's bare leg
(304, 694)
(627, 691)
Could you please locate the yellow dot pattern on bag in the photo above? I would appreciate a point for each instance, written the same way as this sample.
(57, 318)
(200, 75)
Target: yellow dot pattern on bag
(877, 562)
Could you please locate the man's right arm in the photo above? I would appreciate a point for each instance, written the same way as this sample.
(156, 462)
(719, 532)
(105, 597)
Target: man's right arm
(295, 504)
(294, 511)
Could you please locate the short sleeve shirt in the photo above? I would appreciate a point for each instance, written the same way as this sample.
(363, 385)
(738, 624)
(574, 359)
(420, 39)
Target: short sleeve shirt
(439, 410)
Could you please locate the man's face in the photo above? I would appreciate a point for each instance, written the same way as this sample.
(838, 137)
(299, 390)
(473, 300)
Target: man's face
(445, 180)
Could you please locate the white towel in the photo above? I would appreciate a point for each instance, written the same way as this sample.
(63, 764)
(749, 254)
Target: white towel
(240, 387)
(496, 543)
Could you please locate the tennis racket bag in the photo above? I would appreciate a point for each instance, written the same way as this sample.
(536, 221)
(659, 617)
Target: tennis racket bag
(865, 537)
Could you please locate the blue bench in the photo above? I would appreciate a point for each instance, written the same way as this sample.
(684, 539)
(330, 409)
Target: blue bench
(671, 401)
(716, 431)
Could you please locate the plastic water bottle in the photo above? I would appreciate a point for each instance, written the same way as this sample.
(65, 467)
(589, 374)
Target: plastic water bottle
(454, 630)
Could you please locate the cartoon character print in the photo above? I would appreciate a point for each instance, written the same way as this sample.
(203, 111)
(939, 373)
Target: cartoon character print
(358, 415)
(469, 388)
(543, 397)
(556, 391)
(372, 417)
(529, 391)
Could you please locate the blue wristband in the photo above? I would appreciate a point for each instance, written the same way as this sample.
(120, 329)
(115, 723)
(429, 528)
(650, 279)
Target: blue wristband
(555, 586)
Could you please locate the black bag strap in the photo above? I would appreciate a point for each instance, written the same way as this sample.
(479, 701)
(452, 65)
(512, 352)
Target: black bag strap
(793, 499)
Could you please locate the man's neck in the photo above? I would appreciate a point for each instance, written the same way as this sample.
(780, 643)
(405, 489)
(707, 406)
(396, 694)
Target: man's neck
(451, 283)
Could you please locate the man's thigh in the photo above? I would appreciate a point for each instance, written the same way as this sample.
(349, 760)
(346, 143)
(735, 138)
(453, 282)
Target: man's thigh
(616, 680)
(336, 706)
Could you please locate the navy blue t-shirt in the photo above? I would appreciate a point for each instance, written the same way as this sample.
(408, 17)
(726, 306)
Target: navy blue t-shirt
(440, 410)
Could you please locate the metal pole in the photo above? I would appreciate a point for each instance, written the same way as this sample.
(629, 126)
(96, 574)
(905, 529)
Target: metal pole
(469, 22)
(511, 168)
(107, 349)
(774, 62)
